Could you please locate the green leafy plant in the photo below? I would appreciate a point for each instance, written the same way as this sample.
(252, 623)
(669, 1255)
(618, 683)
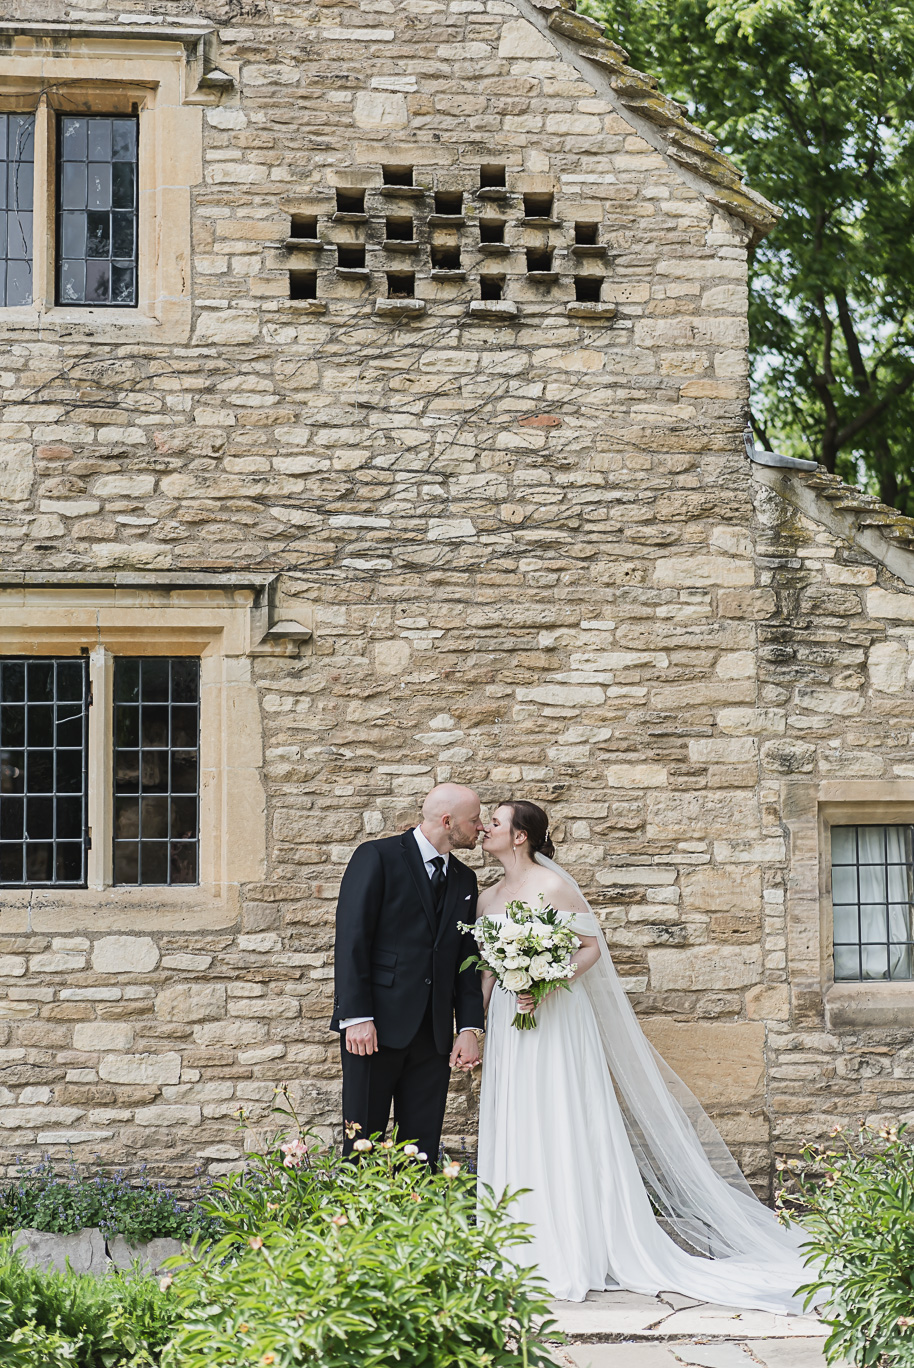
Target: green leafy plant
(52, 1320)
(856, 1200)
(41, 1198)
(376, 1262)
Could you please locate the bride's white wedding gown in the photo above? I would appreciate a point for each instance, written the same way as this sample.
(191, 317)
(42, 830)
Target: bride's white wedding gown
(551, 1121)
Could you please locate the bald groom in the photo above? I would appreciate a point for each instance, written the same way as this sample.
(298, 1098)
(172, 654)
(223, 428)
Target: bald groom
(398, 983)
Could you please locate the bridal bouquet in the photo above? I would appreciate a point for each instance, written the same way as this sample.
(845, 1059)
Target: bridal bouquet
(527, 951)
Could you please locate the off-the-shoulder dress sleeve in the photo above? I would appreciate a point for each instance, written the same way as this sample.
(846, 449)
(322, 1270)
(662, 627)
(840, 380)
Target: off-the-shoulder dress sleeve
(584, 923)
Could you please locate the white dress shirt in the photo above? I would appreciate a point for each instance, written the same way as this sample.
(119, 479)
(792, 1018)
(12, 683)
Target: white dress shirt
(429, 855)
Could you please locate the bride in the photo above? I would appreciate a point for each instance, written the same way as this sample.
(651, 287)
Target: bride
(586, 1115)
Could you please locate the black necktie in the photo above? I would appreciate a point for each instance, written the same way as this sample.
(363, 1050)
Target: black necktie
(439, 883)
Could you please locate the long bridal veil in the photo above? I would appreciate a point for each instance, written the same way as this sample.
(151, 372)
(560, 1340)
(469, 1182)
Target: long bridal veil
(687, 1169)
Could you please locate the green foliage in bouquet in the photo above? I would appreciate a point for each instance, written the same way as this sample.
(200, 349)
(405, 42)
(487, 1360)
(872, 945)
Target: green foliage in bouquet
(528, 952)
(358, 1264)
(855, 1197)
(70, 1320)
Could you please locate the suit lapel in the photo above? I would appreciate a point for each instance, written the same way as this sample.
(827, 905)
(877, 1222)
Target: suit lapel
(420, 877)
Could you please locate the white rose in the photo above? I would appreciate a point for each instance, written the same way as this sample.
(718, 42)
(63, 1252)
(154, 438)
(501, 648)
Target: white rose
(516, 980)
(540, 928)
(511, 931)
(540, 966)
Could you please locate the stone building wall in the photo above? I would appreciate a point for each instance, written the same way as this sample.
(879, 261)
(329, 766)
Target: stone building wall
(523, 538)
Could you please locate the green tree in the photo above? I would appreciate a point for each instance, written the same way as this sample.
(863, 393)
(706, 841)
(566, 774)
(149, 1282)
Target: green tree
(814, 100)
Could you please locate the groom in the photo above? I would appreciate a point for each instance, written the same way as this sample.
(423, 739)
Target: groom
(398, 980)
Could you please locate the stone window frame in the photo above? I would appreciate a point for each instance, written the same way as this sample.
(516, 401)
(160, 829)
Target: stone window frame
(811, 811)
(49, 69)
(225, 622)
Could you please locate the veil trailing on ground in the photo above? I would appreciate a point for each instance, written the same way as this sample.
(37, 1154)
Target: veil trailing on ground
(690, 1174)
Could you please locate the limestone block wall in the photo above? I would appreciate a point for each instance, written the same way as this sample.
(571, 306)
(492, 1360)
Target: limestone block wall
(528, 551)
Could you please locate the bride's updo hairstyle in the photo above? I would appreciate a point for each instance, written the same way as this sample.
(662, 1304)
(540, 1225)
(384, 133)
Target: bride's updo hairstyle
(534, 823)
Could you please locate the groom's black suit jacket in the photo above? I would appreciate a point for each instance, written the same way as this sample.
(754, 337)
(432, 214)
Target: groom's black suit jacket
(393, 953)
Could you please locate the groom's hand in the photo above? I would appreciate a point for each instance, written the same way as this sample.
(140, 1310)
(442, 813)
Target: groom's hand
(465, 1054)
(362, 1039)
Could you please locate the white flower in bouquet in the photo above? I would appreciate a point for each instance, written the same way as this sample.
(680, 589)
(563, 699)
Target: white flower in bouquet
(541, 967)
(516, 980)
(527, 950)
(511, 931)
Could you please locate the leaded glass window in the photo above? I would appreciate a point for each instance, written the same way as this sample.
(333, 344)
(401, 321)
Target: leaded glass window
(156, 770)
(873, 901)
(44, 706)
(17, 174)
(97, 211)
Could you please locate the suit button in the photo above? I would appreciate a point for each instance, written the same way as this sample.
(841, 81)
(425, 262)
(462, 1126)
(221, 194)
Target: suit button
(428, 981)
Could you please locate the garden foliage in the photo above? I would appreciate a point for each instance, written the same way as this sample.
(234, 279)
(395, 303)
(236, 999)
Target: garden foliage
(855, 1197)
(357, 1265)
(69, 1320)
(40, 1198)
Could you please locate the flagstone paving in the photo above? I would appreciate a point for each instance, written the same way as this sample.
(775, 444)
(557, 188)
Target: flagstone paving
(625, 1330)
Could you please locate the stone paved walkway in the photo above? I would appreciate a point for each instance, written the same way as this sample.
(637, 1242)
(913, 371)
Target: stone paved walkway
(624, 1330)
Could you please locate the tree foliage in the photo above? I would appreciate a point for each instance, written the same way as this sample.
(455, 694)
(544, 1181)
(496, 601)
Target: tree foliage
(814, 100)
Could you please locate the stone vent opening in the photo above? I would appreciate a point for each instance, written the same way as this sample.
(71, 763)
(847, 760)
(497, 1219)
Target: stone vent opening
(587, 289)
(350, 201)
(538, 206)
(491, 287)
(399, 230)
(401, 285)
(351, 257)
(492, 178)
(303, 284)
(445, 258)
(585, 234)
(539, 260)
(397, 175)
(304, 226)
(491, 230)
(449, 202)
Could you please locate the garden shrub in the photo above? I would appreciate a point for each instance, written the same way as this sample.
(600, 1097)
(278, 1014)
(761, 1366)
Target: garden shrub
(856, 1200)
(40, 1198)
(52, 1320)
(342, 1264)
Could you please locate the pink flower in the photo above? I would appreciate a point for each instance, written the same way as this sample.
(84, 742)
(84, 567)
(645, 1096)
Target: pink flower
(294, 1152)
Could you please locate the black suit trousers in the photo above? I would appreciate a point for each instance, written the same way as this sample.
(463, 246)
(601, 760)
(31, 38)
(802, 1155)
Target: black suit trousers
(413, 1081)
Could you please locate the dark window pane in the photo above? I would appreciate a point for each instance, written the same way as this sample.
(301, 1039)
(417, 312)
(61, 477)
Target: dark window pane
(155, 725)
(70, 680)
(98, 234)
(12, 818)
(124, 139)
(122, 185)
(98, 282)
(39, 861)
(122, 235)
(154, 862)
(69, 819)
(39, 818)
(99, 140)
(13, 681)
(183, 862)
(155, 676)
(73, 234)
(72, 282)
(126, 725)
(156, 832)
(123, 284)
(127, 681)
(39, 771)
(40, 681)
(39, 722)
(74, 139)
(12, 725)
(12, 771)
(73, 186)
(69, 724)
(69, 771)
(126, 862)
(12, 860)
(69, 861)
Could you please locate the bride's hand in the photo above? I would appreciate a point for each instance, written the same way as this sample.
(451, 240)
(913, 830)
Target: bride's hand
(526, 1002)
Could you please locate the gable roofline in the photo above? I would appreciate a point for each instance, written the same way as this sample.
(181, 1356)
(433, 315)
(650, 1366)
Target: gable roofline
(660, 121)
(846, 512)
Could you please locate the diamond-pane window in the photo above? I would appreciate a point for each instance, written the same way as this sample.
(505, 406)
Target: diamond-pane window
(97, 211)
(44, 706)
(156, 770)
(17, 173)
(873, 901)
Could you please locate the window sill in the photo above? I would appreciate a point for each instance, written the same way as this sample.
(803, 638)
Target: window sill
(883, 1006)
(192, 907)
(139, 323)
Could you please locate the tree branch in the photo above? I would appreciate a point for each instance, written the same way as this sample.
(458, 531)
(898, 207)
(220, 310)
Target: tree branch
(874, 411)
